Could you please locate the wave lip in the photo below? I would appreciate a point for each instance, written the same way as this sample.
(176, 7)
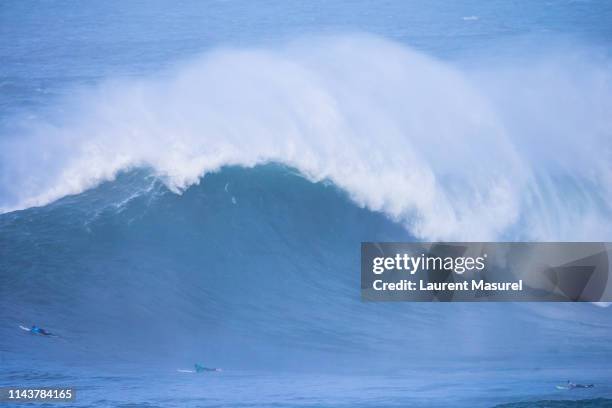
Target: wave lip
(449, 154)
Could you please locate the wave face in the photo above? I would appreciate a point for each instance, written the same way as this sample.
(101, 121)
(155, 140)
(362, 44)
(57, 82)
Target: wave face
(252, 269)
(449, 151)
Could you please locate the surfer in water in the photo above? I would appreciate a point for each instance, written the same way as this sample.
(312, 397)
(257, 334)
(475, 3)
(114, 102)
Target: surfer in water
(570, 385)
(201, 369)
(39, 330)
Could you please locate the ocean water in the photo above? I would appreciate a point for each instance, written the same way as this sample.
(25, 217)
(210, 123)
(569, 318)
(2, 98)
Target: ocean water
(187, 182)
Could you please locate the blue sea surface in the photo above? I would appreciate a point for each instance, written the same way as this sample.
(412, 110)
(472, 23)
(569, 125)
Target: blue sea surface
(159, 388)
(189, 182)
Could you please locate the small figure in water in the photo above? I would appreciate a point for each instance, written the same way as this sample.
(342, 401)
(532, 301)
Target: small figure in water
(201, 369)
(38, 330)
(571, 385)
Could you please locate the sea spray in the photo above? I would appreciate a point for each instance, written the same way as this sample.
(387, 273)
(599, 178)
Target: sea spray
(428, 144)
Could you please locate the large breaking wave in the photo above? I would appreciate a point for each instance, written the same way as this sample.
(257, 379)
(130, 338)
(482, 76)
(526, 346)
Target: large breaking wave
(450, 151)
(257, 267)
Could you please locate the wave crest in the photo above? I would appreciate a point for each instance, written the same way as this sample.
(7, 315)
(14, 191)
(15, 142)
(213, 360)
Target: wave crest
(508, 153)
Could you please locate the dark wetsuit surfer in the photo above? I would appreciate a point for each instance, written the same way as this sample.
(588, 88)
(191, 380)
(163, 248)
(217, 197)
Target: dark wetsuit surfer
(201, 369)
(39, 330)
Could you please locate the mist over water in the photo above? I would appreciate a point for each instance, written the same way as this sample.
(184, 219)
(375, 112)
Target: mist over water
(449, 153)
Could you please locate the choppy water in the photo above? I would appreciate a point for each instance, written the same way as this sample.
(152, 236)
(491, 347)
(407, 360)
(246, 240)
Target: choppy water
(255, 388)
(190, 183)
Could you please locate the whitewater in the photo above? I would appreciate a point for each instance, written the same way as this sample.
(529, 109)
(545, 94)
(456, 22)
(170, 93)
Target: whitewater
(449, 152)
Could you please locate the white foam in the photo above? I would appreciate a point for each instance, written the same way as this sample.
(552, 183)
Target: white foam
(452, 155)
